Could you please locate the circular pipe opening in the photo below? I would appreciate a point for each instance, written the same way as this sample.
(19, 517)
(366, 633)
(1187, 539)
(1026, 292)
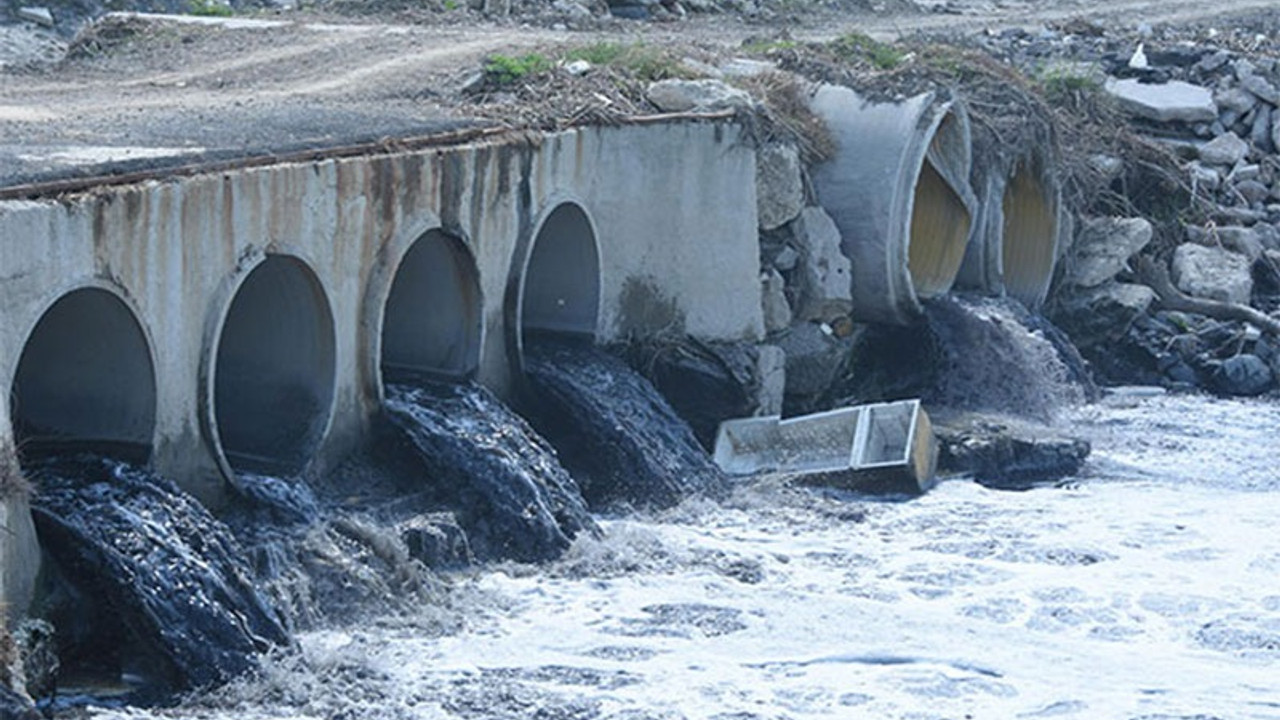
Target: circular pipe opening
(1028, 248)
(560, 294)
(274, 369)
(940, 219)
(85, 380)
(432, 318)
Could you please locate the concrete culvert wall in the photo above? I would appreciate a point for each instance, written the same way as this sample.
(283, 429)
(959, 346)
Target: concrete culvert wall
(1029, 238)
(86, 379)
(897, 188)
(432, 320)
(561, 289)
(274, 372)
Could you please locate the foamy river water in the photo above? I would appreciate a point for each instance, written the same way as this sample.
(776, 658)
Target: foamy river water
(1149, 587)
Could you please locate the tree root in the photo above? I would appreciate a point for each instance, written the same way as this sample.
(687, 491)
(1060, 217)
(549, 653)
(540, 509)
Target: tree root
(1156, 276)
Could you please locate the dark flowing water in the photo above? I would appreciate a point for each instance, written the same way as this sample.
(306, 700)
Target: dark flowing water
(616, 432)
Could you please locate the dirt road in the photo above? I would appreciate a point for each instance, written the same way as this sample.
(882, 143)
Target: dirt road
(193, 86)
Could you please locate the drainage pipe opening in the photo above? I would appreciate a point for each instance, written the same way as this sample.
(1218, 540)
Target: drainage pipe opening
(432, 318)
(560, 293)
(898, 189)
(1029, 242)
(274, 369)
(85, 380)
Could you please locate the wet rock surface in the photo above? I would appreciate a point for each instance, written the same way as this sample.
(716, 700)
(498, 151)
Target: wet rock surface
(1007, 455)
(616, 433)
(158, 579)
(513, 497)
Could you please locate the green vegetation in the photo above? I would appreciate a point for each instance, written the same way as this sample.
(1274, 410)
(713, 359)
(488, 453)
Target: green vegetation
(209, 8)
(1066, 84)
(859, 46)
(645, 62)
(505, 69)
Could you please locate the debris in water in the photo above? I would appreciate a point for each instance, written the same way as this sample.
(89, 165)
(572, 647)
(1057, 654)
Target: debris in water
(615, 431)
(157, 584)
(513, 497)
(885, 447)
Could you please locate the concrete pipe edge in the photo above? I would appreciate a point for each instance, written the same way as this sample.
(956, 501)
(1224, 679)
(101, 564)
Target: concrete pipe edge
(898, 190)
(1018, 238)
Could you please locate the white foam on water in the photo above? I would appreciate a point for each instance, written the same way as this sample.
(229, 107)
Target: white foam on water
(1150, 587)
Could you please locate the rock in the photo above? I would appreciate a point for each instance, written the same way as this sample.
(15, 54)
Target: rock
(1100, 315)
(824, 271)
(1165, 102)
(437, 541)
(696, 96)
(1007, 456)
(1226, 149)
(1241, 173)
(786, 259)
(1261, 88)
(577, 67)
(814, 358)
(1203, 176)
(1103, 247)
(1245, 375)
(1243, 240)
(1214, 61)
(1260, 131)
(773, 300)
(1253, 191)
(571, 9)
(1235, 99)
(1212, 273)
(39, 652)
(1268, 236)
(772, 369)
(779, 185)
(37, 15)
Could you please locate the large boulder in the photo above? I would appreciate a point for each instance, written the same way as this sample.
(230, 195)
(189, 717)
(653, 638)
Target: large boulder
(696, 96)
(1100, 315)
(1165, 102)
(1243, 375)
(779, 185)
(824, 269)
(1212, 273)
(1103, 247)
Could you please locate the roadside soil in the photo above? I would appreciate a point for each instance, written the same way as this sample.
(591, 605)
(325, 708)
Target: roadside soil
(289, 79)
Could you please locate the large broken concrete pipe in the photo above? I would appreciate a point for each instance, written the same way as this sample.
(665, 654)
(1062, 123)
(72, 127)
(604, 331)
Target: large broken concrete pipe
(1017, 239)
(898, 190)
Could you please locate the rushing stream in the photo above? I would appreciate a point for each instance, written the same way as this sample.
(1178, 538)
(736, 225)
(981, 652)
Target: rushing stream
(1149, 587)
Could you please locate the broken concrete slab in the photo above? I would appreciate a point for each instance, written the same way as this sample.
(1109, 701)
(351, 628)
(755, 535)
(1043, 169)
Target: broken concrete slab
(1174, 101)
(824, 270)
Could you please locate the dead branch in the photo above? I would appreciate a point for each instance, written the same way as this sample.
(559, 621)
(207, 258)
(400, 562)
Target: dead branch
(1156, 276)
